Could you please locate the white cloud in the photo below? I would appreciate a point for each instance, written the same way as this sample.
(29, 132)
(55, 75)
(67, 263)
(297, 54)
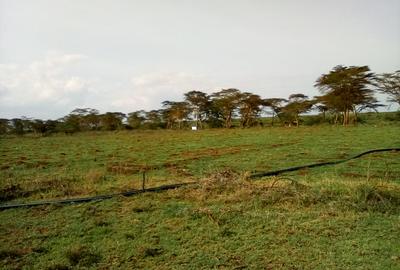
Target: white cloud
(75, 84)
(53, 86)
(163, 79)
(147, 91)
(47, 83)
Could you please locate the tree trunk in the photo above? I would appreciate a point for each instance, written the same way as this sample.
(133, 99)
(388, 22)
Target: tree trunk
(346, 117)
(296, 118)
(272, 121)
(355, 116)
(228, 121)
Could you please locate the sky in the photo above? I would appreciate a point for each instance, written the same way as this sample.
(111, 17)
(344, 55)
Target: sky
(127, 55)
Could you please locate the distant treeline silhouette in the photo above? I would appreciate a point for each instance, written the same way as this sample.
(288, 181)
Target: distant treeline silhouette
(345, 92)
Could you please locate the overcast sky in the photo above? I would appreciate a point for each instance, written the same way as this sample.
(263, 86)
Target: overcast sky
(117, 55)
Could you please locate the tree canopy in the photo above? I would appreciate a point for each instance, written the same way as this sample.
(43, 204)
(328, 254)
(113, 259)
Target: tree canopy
(347, 88)
(389, 83)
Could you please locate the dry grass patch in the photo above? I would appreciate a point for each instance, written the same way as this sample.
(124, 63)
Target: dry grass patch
(228, 186)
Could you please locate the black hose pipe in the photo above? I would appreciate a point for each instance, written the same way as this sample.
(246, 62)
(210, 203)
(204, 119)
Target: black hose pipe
(173, 186)
(95, 198)
(313, 165)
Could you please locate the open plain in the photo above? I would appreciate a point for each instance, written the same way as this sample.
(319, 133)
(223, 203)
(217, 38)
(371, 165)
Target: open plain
(344, 216)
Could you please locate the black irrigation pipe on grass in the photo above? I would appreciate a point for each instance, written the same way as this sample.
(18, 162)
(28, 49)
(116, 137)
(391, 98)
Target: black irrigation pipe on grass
(95, 198)
(313, 165)
(174, 186)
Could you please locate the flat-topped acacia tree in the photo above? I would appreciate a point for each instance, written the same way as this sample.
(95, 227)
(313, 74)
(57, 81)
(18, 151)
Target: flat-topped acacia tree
(199, 105)
(175, 113)
(226, 102)
(297, 104)
(389, 84)
(347, 88)
(276, 105)
(250, 106)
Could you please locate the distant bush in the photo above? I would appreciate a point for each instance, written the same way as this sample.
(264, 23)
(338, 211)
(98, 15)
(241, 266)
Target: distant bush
(312, 120)
(394, 116)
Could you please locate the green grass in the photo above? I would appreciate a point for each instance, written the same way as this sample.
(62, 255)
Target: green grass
(92, 163)
(340, 217)
(324, 225)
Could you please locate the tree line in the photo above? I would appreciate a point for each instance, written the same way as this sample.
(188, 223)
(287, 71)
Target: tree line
(345, 91)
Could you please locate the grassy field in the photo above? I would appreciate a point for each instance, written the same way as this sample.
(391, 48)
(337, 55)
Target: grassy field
(340, 217)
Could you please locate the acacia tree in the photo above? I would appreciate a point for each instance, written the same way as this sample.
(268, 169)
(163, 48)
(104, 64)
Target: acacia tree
(250, 106)
(89, 119)
(175, 112)
(136, 119)
(199, 105)
(297, 104)
(320, 106)
(42, 127)
(389, 84)
(38, 126)
(154, 119)
(112, 120)
(69, 124)
(20, 126)
(226, 102)
(5, 126)
(214, 117)
(347, 89)
(276, 105)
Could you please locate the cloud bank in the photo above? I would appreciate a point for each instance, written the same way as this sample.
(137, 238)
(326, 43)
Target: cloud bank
(43, 87)
(51, 88)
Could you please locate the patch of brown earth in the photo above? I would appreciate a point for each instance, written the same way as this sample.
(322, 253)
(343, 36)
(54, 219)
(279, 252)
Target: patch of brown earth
(210, 152)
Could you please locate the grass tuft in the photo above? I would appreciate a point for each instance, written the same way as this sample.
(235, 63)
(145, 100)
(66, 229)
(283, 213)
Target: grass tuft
(58, 266)
(11, 254)
(379, 198)
(80, 255)
(11, 191)
(230, 187)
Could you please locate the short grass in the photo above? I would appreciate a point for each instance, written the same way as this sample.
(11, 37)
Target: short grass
(339, 217)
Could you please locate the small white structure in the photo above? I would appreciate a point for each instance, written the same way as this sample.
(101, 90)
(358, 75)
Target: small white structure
(194, 128)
